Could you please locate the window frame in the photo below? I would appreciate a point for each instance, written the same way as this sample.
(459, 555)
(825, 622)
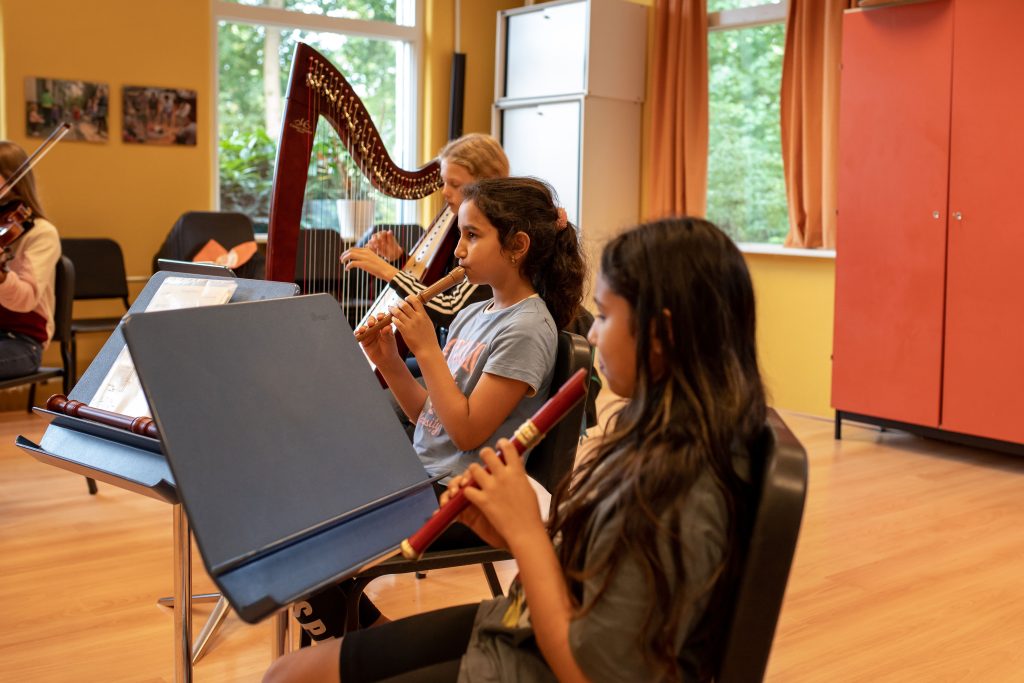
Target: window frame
(412, 55)
(749, 17)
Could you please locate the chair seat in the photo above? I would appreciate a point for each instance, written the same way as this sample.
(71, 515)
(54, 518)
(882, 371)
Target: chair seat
(40, 375)
(94, 325)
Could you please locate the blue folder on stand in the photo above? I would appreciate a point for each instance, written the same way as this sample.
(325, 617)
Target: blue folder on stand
(288, 458)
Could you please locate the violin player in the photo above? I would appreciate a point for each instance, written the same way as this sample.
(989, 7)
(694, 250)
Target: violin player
(28, 269)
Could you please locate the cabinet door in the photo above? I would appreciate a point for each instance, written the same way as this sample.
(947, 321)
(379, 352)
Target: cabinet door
(983, 392)
(546, 50)
(891, 240)
(544, 141)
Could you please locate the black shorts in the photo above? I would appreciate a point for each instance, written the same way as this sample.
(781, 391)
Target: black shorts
(418, 649)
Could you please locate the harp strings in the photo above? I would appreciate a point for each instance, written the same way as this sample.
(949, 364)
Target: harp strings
(341, 209)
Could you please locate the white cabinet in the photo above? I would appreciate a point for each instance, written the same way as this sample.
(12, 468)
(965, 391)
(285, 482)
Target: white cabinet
(569, 90)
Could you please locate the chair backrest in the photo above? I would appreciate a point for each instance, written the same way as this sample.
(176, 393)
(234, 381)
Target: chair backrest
(763, 577)
(195, 228)
(553, 457)
(64, 297)
(99, 267)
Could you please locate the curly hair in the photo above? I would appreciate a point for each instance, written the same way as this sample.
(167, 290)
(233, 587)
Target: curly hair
(554, 264)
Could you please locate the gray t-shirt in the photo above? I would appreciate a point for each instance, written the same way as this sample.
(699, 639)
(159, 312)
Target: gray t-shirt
(517, 342)
(605, 641)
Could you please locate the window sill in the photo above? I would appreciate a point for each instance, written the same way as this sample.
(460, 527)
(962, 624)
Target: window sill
(778, 250)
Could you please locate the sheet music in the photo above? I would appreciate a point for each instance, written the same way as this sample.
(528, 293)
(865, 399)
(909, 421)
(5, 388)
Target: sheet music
(120, 391)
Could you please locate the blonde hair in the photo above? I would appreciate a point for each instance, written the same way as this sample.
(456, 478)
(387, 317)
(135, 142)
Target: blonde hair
(11, 157)
(478, 153)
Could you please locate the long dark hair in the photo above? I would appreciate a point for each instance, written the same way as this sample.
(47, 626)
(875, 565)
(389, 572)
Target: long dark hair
(690, 291)
(11, 157)
(554, 263)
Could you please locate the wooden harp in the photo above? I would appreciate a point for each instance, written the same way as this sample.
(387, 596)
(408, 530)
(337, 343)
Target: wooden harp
(320, 102)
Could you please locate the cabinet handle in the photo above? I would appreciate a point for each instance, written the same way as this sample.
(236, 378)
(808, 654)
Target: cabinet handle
(957, 215)
(935, 215)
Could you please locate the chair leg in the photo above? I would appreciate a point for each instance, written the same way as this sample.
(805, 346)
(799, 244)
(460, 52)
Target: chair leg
(492, 580)
(352, 608)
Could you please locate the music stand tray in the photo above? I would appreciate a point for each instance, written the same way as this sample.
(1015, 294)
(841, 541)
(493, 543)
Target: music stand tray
(289, 461)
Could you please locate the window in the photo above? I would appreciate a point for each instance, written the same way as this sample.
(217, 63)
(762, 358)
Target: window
(746, 188)
(374, 43)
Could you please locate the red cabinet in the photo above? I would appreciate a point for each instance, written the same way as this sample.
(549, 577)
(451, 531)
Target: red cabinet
(929, 326)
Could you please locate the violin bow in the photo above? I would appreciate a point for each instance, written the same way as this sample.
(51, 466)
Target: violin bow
(41, 151)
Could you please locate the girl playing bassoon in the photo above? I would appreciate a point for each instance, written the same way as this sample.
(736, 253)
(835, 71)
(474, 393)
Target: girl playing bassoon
(629, 579)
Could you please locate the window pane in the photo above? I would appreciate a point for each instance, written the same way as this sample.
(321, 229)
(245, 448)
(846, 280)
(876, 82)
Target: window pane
(719, 5)
(249, 109)
(389, 11)
(746, 190)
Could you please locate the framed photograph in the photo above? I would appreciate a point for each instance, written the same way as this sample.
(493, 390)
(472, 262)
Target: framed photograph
(50, 102)
(159, 116)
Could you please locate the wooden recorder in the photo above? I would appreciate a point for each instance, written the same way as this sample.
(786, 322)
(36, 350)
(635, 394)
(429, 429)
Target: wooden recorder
(527, 436)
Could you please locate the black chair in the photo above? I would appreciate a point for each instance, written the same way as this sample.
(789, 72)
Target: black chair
(765, 571)
(99, 274)
(194, 229)
(64, 295)
(550, 461)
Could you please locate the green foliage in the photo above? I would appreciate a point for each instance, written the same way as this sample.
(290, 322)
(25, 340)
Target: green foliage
(246, 148)
(746, 188)
(246, 172)
(718, 5)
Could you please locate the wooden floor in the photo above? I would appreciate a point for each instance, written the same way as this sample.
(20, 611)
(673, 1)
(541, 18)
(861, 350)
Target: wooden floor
(908, 568)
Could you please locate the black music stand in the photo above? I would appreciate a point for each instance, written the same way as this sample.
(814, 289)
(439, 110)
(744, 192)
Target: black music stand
(291, 464)
(136, 463)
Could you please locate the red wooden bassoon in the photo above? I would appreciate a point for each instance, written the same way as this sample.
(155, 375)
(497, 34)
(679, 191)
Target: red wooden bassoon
(526, 436)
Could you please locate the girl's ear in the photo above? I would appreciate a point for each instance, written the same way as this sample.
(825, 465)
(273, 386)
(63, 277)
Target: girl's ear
(657, 348)
(518, 246)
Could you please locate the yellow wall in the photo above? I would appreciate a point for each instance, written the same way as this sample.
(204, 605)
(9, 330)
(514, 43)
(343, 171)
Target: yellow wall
(132, 193)
(794, 307)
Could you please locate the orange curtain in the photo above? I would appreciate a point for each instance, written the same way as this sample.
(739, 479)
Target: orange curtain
(809, 111)
(678, 139)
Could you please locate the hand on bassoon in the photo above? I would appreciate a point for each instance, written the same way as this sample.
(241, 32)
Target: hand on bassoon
(471, 516)
(505, 497)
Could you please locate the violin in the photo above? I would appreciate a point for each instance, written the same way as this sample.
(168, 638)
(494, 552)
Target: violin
(15, 220)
